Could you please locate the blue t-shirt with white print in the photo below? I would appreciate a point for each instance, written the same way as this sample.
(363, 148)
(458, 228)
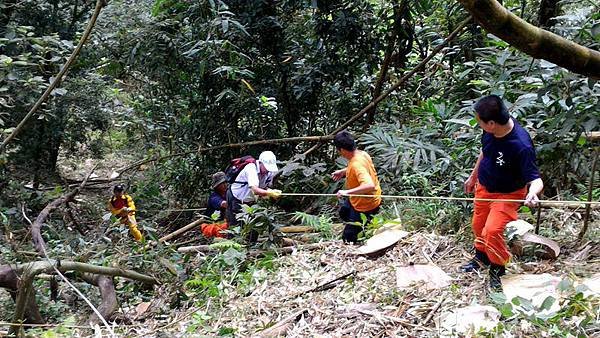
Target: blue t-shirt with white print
(508, 162)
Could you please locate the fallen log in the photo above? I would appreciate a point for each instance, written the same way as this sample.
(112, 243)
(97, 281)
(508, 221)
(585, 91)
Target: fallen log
(47, 266)
(9, 279)
(197, 248)
(285, 250)
(281, 327)
(25, 298)
(28, 271)
(181, 230)
(296, 229)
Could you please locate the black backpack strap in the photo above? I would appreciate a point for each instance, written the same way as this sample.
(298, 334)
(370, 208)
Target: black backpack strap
(246, 183)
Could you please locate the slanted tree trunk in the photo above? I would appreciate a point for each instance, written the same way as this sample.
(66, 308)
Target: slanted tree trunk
(108, 294)
(57, 80)
(532, 40)
(401, 11)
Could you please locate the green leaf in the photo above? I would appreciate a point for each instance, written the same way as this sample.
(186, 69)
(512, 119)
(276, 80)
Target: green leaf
(498, 297)
(595, 30)
(225, 25)
(482, 83)
(464, 122)
(226, 331)
(547, 303)
(231, 257)
(506, 310)
(564, 285)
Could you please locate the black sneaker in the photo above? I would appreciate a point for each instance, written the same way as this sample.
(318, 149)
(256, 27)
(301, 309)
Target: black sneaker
(496, 271)
(479, 261)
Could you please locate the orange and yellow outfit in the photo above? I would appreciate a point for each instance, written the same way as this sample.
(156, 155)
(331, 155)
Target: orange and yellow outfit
(117, 205)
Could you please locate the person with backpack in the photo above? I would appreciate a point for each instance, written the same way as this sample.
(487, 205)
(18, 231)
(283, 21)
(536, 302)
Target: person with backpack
(361, 179)
(121, 205)
(247, 179)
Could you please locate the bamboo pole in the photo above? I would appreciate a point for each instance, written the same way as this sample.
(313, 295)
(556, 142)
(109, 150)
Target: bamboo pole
(181, 230)
(47, 266)
(294, 229)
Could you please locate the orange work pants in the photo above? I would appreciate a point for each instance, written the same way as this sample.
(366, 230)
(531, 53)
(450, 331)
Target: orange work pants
(490, 219)
(214, 230)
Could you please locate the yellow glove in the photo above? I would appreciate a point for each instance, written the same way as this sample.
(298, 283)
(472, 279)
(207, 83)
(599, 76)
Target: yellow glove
(273, 193)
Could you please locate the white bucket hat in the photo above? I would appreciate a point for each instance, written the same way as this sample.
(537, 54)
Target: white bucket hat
(268, 159)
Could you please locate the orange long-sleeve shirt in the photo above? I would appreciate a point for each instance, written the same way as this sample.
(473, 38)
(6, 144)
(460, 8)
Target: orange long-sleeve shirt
(360, 171)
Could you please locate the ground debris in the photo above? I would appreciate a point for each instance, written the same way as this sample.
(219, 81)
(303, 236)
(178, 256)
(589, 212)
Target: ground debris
(332, 292)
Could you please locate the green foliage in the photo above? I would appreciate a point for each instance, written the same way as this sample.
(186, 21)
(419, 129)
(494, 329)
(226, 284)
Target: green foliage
(322, 223)
(573, 306)
(222, 275)
(61, 330)
(370, 227)
(260, 219)
(161, 77)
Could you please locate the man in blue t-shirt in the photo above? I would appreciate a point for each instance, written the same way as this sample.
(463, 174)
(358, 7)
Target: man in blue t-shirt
(505, 169)
(217, 199)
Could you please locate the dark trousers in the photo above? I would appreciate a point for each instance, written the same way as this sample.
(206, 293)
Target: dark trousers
(349, 215)
(234, 206)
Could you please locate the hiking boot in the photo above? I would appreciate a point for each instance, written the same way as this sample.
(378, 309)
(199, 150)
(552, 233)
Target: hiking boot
(496, 271)
(480, 260)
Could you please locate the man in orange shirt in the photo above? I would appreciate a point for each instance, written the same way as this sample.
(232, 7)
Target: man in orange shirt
(361, 179)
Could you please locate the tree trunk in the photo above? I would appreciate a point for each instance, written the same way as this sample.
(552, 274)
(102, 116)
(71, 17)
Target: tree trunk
(290, 112)
(400, 10)
(395, 86)
(548, 10)
(108, 294)
(10, 280)
(532, 40)
(6, 14)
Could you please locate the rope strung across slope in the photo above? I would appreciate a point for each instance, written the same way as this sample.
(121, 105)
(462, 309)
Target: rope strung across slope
(448, 198)
(552, 203)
